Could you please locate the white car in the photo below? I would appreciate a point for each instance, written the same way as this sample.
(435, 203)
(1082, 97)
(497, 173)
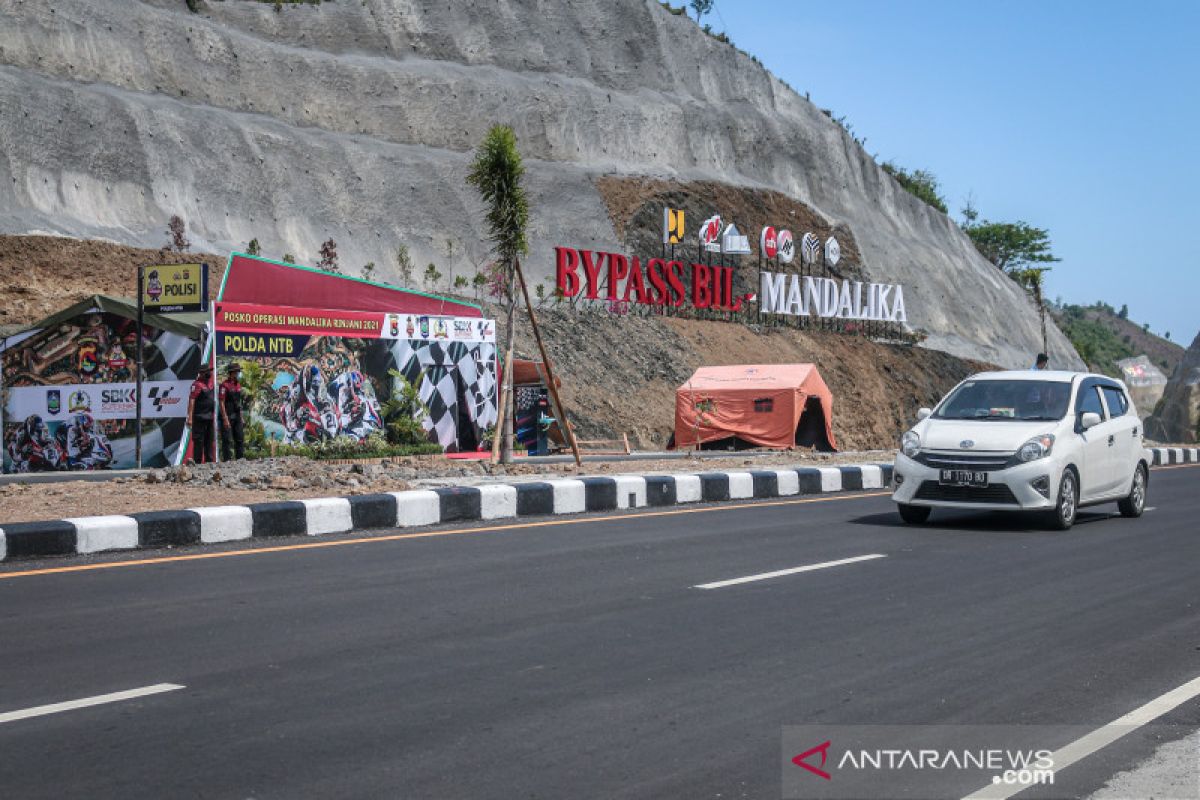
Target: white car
(1025, 441)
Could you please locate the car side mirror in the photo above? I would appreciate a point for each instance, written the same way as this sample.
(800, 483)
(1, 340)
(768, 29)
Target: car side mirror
(923, 413)
(1090, 419)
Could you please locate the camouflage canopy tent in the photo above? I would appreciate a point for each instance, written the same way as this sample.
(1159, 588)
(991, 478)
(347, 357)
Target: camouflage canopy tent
(69, 387)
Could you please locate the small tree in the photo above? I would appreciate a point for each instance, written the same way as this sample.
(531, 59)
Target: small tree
(404, 265)
(701, 7)
(1124, 312)
(432, 276)
(253, 248)
(368, 270)
(177, 230)
(403, 412)
(540, 291)
(461, 282)
(288, 258)
(497, 172)
(1011, 245)
(329, 256)
(478, 282)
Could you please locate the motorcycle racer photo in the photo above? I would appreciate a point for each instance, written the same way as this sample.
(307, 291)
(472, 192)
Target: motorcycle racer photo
(358, 407)
(33, 449)
(84, 445)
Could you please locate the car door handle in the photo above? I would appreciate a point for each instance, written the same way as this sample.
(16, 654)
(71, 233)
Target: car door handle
(1112, 440)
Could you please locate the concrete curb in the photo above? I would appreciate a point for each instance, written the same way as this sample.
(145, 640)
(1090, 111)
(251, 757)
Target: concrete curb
(421, 507)
(1175, 455)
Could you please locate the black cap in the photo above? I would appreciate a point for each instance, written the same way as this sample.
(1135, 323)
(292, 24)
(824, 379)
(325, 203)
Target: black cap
(234, 367)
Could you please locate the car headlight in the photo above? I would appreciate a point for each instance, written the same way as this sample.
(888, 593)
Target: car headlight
(910, 444)
(1037, 447)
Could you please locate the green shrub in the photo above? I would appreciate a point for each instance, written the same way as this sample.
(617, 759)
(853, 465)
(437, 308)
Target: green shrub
(920, 183)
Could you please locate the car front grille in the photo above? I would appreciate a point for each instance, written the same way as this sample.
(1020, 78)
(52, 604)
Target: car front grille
(971, 461)
(995, 493)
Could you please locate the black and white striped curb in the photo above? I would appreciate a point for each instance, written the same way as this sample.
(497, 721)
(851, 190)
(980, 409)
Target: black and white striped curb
(83, 535)
(1175, 455)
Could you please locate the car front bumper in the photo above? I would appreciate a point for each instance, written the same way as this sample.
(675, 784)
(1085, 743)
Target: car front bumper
(1010, 489)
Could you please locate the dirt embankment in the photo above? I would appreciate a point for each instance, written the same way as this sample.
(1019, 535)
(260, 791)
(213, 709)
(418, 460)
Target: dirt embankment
(620, 373)
(40, 275)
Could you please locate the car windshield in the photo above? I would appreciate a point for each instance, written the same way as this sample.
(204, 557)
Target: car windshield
(1007, 400)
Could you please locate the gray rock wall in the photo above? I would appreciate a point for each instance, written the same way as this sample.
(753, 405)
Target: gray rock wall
(1177, 417)
(356, 120)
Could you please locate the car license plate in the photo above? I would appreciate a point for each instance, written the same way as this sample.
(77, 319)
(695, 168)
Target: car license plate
(963, 477)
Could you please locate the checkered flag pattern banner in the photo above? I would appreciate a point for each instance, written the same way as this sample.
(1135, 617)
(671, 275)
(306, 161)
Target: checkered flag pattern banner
(448, 376)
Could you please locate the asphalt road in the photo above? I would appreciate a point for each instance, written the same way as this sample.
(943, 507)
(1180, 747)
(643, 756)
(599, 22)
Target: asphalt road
(576, 658)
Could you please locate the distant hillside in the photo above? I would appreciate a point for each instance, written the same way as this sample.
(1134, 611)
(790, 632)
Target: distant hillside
(1103, 338)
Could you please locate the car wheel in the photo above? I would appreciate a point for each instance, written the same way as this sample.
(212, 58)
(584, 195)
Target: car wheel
(913, 515)
(1135, 503)
(1063, 515)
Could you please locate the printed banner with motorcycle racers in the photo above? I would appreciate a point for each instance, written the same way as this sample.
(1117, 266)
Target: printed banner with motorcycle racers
(327, 373)
(70, 399)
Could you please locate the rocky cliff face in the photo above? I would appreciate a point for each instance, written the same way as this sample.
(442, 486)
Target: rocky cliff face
(1176, 420)
(356, 120)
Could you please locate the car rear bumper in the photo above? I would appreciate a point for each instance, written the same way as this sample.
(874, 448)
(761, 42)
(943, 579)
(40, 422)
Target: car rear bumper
(1009, 489)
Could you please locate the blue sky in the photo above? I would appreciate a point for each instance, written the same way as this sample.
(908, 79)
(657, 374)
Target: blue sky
(1078, 117)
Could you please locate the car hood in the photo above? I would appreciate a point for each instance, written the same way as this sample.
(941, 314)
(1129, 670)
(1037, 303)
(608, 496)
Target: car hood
(988, 435)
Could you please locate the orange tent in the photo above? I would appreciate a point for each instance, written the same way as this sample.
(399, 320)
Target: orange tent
(764, 405)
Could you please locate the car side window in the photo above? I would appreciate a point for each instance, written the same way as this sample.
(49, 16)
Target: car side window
(1089, 401)
(1116, 400)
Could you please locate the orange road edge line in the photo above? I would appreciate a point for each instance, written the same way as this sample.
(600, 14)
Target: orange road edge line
(1173, 466)
(395, 537)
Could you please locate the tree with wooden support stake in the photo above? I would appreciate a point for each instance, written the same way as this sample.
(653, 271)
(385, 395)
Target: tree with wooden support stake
(496, 172)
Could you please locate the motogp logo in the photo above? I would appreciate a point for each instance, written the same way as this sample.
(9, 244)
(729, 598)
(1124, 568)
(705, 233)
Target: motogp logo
(161, 396)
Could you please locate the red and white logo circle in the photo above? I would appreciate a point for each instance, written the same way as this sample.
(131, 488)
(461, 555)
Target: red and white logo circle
(710, 231)
(767, 244)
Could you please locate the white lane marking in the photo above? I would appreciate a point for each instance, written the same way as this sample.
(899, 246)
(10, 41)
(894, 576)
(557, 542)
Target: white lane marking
(779, 573)
(1101, 737)
(84, 702)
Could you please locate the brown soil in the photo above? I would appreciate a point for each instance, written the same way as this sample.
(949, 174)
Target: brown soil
(635, 208)
(620, 374)
(40, 275)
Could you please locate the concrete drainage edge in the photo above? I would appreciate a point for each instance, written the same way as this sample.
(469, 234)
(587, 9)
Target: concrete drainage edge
(423, 507)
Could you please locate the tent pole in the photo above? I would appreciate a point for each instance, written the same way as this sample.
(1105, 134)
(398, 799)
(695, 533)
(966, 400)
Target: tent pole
(537, 334)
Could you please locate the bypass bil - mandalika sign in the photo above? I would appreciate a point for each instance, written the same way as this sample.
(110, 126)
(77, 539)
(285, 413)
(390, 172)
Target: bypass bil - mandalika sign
(663, 281)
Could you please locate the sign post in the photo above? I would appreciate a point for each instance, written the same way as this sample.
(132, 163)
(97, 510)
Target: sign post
(164, 288)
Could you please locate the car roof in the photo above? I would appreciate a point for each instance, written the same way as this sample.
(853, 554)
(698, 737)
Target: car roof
(1065, 376)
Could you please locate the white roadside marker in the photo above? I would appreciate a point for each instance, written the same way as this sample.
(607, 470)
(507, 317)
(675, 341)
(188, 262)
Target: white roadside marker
(1102, 737)
(779, 573)
(84, 702)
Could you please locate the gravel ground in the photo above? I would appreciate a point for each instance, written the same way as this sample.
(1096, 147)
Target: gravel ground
(297, 478)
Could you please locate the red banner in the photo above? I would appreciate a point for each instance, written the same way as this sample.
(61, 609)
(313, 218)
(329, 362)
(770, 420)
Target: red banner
(249, 318)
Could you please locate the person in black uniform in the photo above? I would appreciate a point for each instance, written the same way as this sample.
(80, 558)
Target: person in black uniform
(201, 407)
(233, 439)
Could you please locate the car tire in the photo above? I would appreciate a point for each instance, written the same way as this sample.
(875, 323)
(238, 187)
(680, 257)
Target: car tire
(1063, 515)
(913, 515)
(1135, 503)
